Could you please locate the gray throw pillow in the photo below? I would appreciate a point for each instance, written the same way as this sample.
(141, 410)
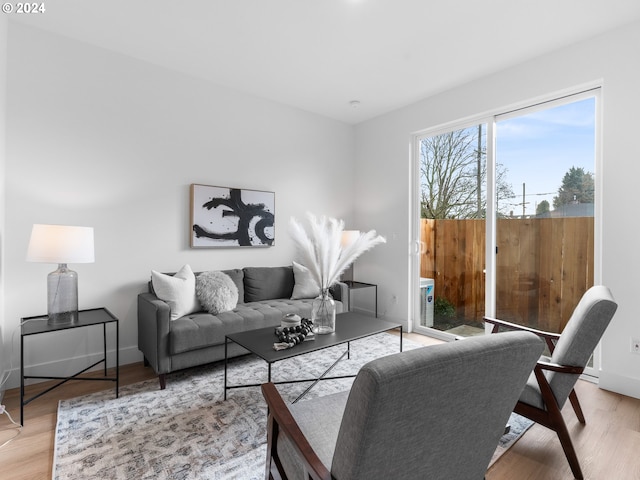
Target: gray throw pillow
(217, 292)
(267, 283)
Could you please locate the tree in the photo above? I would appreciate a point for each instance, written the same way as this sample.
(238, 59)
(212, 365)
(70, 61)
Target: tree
(453, 173)
(577, 187)
(543, 207)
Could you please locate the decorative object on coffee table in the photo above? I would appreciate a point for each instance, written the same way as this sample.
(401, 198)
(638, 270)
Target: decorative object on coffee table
(294, 334)
(291, 320)
(320, 248)
(323, 313)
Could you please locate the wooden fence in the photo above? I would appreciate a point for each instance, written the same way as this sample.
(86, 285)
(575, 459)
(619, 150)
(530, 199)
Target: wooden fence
(544, 265)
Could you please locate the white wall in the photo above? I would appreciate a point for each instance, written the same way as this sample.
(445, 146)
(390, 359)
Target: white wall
(99, 139)
(382, 162)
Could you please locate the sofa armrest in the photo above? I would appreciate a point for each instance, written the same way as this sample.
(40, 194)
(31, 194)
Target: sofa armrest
(340, 291)
(154, 317)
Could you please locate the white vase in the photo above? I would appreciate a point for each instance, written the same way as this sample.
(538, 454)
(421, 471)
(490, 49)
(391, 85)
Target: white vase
(323, 313)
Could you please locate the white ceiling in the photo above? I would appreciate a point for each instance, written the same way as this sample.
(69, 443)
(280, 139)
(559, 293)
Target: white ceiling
(319, 55)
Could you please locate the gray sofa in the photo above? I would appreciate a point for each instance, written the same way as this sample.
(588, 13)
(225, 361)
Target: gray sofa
(198, 338)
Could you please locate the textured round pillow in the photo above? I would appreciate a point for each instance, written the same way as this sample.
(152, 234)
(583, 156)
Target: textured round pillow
(217, 292)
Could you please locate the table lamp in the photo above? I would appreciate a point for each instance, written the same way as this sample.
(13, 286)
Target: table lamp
(61, 244)
(348, 237)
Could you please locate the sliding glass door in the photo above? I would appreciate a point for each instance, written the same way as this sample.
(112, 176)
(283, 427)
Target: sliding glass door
(527, 255)
(453, 206)
(545, 232)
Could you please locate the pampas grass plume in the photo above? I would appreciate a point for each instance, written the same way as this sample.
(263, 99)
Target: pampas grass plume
(319, 247)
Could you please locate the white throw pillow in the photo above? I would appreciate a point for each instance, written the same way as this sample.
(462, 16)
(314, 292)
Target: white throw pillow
(305, 286)
(217, 292)
(179, 291)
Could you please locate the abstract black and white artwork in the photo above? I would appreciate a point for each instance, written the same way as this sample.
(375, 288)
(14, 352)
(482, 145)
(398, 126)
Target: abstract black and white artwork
(231, 217)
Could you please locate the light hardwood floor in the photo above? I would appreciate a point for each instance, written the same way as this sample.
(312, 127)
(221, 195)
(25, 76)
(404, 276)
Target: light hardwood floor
(608, 446)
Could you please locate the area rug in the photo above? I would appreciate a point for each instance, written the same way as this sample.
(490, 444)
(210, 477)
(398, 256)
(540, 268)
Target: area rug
(188, 431)
(518, 425)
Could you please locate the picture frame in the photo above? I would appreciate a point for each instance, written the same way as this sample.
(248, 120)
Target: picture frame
(231, 217)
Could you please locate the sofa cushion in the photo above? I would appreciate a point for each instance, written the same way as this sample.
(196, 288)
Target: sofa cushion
(178, 290)
(216, 292)
(201, 330)
(265, 283)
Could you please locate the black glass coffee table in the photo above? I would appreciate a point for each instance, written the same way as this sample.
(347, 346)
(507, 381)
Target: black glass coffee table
(350, 326)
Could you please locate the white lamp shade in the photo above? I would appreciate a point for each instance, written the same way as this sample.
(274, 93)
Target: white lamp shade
(349, 236)
(60, 244)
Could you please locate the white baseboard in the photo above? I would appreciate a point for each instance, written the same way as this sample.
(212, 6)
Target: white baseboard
(620, 384)
(69, 366)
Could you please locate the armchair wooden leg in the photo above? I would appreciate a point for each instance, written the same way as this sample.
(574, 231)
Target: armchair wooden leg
(163, 381)
(552, 418)
(273, 468)
(272, 429)
(567, 446)
(576, 406)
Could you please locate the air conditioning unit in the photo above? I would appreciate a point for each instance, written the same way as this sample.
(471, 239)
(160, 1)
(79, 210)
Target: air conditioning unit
(427, 298)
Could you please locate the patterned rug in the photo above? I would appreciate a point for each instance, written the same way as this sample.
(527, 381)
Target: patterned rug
(188, 431)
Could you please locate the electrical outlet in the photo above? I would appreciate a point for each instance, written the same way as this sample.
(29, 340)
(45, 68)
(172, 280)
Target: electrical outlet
(635, 346)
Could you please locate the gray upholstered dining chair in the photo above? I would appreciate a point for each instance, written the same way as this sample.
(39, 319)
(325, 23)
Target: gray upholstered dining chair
(435, 412)
(553, 379)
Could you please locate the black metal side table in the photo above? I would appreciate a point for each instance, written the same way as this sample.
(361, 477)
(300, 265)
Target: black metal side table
(86, 318)
(353, 285)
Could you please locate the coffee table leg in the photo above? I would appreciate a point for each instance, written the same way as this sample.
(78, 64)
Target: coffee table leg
(400, 337)
(225, 367)
(315, 382)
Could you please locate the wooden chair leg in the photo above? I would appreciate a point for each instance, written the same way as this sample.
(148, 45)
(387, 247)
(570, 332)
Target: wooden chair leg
(576, 406)
(163, 381)
(553, 419)
(567, 446)
(272, 429)
(273, 467)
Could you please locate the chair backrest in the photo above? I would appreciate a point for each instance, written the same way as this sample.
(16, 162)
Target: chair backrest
(436, 412)
(580, 337)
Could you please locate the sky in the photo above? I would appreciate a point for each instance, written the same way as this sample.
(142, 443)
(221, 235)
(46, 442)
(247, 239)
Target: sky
(539, 148)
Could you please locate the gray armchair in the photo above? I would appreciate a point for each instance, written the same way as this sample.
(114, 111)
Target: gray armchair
(436, 412)
(554, 378)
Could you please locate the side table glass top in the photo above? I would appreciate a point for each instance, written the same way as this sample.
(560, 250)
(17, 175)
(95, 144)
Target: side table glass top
(93, 316)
